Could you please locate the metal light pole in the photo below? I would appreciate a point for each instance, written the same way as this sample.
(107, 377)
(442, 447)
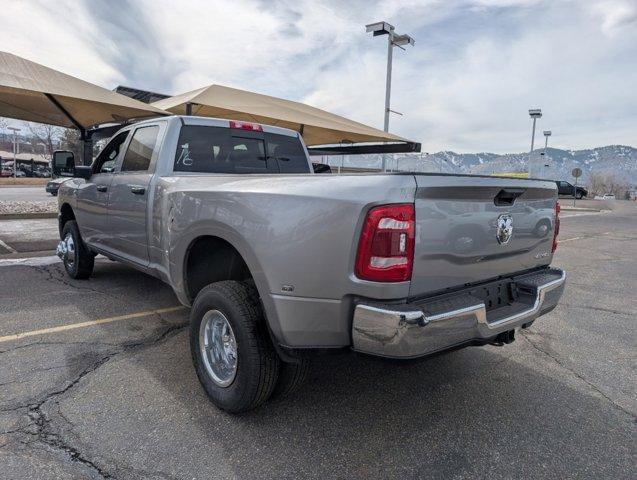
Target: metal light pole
(534, 113)
(393, 40)
(15, 144)
(547, 134)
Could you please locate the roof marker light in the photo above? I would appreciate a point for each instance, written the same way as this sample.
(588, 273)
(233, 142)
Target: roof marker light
(254, 127)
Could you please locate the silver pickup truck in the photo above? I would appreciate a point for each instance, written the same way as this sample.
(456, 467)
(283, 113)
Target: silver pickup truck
(278, 263)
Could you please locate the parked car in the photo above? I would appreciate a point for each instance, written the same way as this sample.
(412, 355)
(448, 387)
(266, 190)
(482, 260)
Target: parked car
(569, 190)
(26, 171)
(278, 263)
(53, 186)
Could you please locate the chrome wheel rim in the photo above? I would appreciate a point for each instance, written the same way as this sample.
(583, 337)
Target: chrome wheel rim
(69, 251)
(218, 348)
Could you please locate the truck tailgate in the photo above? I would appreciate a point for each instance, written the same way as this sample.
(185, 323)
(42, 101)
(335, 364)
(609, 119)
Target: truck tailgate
(458, 219)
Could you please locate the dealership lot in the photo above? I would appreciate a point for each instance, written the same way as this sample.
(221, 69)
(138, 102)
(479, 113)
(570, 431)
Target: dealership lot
(96, 381)
(24, 193)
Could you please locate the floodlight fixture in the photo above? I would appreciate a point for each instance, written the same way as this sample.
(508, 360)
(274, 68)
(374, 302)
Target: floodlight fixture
(379, 28)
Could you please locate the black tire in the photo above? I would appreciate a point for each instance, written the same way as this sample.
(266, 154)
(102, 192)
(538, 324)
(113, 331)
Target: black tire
(257, 365)
(579, 195)
(292, 376)
(84, 260)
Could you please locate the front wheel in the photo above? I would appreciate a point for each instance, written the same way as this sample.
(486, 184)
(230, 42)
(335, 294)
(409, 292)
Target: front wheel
(230, 346)
(78, 259)
(579, 196)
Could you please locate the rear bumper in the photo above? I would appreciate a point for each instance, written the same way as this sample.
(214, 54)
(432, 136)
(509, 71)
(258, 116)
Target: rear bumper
(424, 327)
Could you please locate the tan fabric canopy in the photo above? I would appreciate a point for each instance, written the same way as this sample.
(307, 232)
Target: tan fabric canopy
(317, 126)
(30, 91)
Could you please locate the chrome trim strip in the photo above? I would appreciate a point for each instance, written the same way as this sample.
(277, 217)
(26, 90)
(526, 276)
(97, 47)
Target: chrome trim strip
(410, 317)
(478, 310)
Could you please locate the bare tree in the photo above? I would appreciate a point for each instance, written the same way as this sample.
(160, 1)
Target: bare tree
(71, 141)
(45, 134)
(3, 128)
(597, 183)
(600, 184)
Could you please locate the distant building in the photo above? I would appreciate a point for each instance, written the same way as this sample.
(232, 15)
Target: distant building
(141, 95)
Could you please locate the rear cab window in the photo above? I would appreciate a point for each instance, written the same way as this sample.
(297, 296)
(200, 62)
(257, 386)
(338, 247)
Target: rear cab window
(208, 149)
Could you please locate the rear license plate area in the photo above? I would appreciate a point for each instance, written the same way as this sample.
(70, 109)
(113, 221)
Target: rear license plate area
(497, 294)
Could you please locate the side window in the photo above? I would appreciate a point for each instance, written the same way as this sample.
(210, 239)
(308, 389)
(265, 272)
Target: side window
(140, 150)
(106, 160)
(288, 153)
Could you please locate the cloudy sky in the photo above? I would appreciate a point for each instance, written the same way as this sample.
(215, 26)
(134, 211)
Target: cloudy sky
(476, 68)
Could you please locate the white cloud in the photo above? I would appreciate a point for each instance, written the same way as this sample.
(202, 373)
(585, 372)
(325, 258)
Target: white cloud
(476, 68)
(616, 14)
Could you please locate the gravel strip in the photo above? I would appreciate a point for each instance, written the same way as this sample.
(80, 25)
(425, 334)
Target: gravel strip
(19, 207)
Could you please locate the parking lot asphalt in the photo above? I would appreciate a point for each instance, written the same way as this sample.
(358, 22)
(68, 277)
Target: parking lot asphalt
(23, 193)
(102, 386)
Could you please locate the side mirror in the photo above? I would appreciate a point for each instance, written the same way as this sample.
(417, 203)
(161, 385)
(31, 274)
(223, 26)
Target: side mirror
(321, 168)
(63, 163)
(83, 171)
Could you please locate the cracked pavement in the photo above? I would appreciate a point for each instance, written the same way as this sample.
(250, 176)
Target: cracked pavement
(120, 400)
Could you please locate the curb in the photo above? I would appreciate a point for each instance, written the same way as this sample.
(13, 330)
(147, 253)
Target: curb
(27, 216)
(571, 209)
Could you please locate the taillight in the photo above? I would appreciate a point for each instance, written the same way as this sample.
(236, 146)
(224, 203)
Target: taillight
(386, 247)
(556, 226)
(254, 127)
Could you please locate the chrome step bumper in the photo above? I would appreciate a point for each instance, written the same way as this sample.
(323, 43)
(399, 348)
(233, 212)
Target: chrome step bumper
(415, 329)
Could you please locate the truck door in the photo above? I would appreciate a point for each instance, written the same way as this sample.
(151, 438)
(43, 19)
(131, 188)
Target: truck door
(91, 211)
(129, 193)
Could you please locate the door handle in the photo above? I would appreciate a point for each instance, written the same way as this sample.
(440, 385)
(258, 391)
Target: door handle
(137, 190)
(102, 188)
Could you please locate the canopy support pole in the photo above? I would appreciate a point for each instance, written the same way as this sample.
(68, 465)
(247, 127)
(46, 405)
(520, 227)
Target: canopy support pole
(85, 136)
(189, 108)
(301, 129)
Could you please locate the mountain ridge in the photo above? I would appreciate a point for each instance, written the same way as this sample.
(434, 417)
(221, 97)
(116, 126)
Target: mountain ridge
(614, 160)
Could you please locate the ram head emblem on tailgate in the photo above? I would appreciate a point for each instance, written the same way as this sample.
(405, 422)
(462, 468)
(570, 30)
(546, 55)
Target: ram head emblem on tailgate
(504, 230)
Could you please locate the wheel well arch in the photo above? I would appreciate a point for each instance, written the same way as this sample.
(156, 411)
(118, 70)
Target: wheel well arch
(66, 214)
(211, 259)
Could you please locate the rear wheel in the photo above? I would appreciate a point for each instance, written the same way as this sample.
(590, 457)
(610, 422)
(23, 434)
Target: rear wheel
(78, 259)
(230, 346)
(292, 376)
